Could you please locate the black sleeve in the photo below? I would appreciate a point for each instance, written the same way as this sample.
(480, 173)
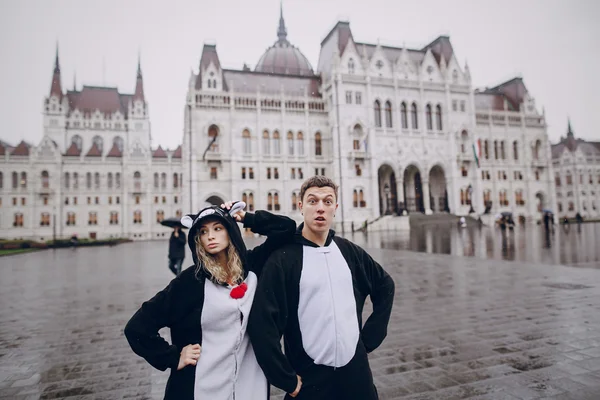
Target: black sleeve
(382, 296)
(279, 230)
(267, 323)
(181, 238)
(142, 329)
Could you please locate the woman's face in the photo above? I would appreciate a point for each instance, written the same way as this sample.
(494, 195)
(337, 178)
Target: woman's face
(213, 236)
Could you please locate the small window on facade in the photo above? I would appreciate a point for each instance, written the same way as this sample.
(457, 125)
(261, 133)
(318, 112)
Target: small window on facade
(45, 180)
(290, 143)
(276, 144)
(403, 115)
(377, 112)
(358, 98)
(348, 97)
(266, 144)
(247, 143)
(388, 114)
(213, 172)
(351, 66)
(438, 117)
(318, 144)
(414, 116)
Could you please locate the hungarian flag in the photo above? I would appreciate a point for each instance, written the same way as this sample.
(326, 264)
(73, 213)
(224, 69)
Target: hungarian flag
(477, 151)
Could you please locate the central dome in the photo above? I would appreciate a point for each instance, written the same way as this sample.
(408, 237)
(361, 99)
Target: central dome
(283, 57)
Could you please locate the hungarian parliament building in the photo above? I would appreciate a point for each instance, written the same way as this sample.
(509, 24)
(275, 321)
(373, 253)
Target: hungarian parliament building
(401, 130)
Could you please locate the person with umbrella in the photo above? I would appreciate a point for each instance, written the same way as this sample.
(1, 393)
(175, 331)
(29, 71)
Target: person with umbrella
(177, 243)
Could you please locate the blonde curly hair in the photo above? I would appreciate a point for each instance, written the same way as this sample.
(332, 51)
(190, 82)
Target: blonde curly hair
(234, 272)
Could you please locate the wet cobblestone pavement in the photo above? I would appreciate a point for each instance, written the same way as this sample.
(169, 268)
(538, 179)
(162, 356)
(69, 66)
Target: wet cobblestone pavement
(461, 327)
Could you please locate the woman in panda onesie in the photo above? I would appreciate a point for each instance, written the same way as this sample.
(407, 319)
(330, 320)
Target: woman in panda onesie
(207, 308)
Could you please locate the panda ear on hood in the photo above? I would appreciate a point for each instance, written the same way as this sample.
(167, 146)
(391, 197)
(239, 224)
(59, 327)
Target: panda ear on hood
(188, 220)
(236, 207)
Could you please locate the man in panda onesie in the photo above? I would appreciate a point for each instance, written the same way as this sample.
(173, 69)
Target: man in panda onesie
(313, 291)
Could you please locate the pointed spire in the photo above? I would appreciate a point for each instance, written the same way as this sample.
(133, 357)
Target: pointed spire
(569, 130)
(139, 83)
(281, 32)
(55, 87)
(139, 69)
(74, 81)
(56, 63)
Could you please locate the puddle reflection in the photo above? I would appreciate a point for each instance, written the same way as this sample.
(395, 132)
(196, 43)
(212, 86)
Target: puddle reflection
(572, 246)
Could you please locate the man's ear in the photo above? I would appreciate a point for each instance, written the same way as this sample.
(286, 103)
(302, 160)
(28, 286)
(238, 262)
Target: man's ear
(300, 205)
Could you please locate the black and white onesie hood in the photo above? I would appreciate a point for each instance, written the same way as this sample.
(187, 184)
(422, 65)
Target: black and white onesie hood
(194, 221)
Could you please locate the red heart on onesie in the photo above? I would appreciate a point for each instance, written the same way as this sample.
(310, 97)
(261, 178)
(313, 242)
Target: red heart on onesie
(239, 291)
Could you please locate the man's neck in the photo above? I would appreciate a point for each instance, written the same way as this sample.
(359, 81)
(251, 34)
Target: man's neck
(315, 237)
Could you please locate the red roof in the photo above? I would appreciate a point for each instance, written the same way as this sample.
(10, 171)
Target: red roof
(55, 87)
(159, 153)
(73, 151)
(177, 153)
(209, 54)
(22, 149)
(139, 85)
(115, 151)
(344, 35)
(441, 47)
(2, 150)
(514, 91)
(103, 99)
(94, 151)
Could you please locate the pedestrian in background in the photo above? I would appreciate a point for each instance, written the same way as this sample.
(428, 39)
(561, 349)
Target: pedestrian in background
(176, 250)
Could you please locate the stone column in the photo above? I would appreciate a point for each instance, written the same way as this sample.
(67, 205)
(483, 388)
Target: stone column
(400, 195)
(426, 205)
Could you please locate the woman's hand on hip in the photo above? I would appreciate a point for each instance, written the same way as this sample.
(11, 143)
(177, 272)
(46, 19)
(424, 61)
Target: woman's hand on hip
(189, 355)
(298, 387)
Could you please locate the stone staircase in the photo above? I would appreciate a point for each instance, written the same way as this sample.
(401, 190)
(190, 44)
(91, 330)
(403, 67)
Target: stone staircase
(389, 223)
(418, 219)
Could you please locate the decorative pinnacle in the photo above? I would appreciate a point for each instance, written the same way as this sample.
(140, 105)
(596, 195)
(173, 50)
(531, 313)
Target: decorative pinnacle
(281, 32)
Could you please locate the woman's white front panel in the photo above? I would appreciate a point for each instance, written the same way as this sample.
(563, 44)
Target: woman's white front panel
(227, 368)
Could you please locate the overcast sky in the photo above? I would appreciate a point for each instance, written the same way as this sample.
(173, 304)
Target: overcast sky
(553, 44)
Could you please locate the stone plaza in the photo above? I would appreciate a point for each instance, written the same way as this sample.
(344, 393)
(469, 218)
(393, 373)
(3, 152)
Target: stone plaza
(461, 327)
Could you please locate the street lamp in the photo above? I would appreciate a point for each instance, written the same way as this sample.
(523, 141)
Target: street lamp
(470, 191)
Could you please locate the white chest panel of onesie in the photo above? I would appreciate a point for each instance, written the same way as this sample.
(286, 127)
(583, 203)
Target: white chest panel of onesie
(327, 307)
(226, 349)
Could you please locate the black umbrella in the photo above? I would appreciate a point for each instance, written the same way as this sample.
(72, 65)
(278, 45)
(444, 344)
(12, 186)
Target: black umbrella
(172, 222)
(506, 214)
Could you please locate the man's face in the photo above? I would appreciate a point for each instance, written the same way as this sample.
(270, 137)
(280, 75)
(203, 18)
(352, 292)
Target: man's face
(318, 207)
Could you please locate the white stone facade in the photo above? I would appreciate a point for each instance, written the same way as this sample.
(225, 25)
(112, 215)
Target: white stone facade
(93, 174)
(577, 177)
(394, 127)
